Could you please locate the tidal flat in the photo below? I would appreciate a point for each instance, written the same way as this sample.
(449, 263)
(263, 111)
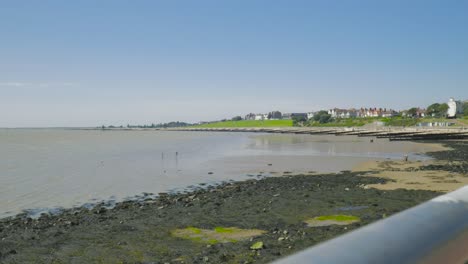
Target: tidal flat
(251, 221)
(144, 232)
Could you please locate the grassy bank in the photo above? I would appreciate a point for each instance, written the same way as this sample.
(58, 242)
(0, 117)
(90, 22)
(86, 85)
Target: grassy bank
(249, 123)
(345, 122)
(338, 122)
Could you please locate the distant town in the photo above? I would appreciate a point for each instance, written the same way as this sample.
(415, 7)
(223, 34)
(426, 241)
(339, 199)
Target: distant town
(452, 109)
(436, 114)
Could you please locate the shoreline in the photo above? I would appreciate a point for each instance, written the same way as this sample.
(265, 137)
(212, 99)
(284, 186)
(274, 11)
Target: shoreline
(404, 133)
(280, 208)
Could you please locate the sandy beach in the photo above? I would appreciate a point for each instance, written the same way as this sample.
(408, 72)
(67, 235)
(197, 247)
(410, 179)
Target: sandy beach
(440, 175)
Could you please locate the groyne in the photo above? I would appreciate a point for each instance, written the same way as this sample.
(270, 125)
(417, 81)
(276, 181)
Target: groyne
(392, 133)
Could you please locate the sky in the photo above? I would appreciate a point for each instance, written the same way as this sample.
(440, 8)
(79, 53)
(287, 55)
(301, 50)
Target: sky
(113, 62)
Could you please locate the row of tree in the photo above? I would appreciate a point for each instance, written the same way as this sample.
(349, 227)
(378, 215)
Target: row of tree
(160, 125)
(437, 110)
(440, 110)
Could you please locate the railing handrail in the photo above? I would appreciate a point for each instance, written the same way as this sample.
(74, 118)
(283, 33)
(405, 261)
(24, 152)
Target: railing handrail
(433, 232)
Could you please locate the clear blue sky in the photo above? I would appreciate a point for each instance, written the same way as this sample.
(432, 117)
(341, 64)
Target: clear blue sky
(86, 63)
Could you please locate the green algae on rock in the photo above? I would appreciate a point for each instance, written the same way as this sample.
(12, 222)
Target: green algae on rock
(257, 245)
(327, 220)
(218, 235)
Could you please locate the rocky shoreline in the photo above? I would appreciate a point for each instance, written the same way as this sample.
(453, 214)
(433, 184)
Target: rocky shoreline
(279, 208)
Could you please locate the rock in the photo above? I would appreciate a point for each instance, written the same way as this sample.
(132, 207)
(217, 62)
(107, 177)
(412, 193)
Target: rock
(346, 189)
(100, 210)
(281, 238)
(257, 246)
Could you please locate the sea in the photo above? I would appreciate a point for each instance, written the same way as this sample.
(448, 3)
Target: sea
(46, 170)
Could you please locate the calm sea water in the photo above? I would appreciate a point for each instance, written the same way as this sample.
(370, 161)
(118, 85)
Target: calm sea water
(42, 169)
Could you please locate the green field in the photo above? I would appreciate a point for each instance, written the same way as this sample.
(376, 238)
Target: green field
(340, 122)
(250, 123)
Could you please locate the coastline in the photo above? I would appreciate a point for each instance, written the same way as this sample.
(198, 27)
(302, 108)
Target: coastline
(282, 208)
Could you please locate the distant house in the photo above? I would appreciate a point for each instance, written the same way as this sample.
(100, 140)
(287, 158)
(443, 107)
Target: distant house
(299, 115)
(259, 116)
(310, 115)
(388, 113)
(336, 112)
(376, 112)
(343, 113)
(373, 112)
(455, 108)
(420, 112)
(286, 116)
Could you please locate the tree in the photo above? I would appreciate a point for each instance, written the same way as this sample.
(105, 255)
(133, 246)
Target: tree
(412, 112)
(322, 117)
(298, 120)
(443, 108)
(275, 115)
(465, 109)
(433, 110)
(236, 118)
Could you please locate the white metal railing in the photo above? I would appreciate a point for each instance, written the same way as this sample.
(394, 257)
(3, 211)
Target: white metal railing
(433, 232)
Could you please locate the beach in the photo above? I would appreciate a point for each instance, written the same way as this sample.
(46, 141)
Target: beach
(251, 221)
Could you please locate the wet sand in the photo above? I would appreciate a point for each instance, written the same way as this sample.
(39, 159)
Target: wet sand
(443, 175)
(408, 175)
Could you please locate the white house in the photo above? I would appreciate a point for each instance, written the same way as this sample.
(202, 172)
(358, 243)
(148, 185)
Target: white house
(259, 117)
(455, 107)
(343, 113)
